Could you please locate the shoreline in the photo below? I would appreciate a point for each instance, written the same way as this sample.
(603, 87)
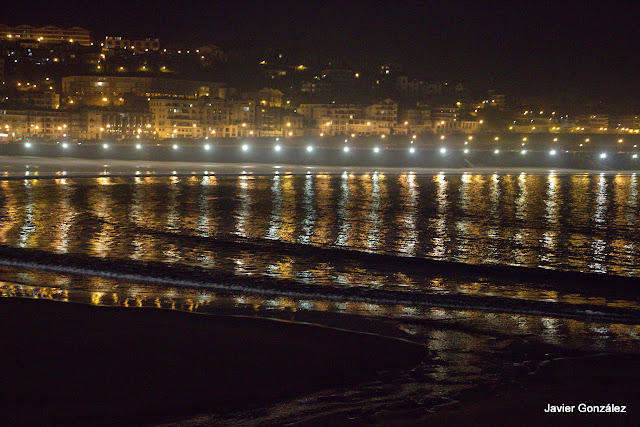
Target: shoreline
(158, 273)
(79, 364)
(594, 381)
(38, 167)
(76, 364)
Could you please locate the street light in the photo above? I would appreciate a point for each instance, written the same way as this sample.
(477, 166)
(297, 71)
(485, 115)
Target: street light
(376, 150)
(138, 146)
(552, 152)
(277, 148)
(207, 147)
(603, 155)
(309, 149)
(175, 146)
(245, 147)
(412, 150)
(345, 149)
(27, 145)
(105, 146)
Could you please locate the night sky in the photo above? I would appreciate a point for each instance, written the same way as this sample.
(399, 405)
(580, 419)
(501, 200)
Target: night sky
(528, 48)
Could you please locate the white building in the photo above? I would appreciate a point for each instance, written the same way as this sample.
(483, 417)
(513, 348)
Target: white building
(176, 118)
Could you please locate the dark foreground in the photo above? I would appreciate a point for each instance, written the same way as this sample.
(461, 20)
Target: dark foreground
(65, 363)
(596, 380)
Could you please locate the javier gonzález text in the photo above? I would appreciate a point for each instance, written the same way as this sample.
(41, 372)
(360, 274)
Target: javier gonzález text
(583, 407)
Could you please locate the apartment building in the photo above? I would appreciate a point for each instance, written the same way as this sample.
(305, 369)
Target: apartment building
(37, 124)
(101, 90)
(46, 100)
(140, 45)
(176, 118)
(49, 34)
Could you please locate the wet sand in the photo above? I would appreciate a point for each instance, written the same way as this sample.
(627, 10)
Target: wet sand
(595, 381)
(33, 167)
(65, 363)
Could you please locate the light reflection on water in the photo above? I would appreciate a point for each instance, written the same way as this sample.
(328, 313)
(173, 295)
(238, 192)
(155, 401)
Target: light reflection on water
(560, 332)
(469, 346)
(573, 222)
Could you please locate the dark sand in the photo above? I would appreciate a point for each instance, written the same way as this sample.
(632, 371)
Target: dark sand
(593, 380)
(64, 363)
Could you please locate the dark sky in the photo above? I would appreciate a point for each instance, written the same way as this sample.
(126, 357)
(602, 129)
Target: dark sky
(533, 46)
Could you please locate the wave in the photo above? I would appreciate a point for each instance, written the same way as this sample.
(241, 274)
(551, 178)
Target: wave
(177, 275)
(381, 260)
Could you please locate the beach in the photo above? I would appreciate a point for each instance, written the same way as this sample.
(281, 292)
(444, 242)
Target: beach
(146, 300)
(68, 363)
(591, 390)
(40, 167)
(73, 364)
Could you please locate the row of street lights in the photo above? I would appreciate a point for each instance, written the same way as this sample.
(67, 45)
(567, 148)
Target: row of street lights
(278, 148)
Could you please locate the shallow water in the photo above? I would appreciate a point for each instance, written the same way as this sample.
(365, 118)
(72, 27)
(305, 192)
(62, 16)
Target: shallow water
(570, 222)
(228, 224)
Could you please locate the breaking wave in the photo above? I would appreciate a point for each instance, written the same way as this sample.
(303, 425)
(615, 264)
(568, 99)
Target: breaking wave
(178, 275)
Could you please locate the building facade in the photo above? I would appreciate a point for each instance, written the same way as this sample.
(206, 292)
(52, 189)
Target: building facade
(49, 34)
(142, 45)
(45, 100)
(36, 124)
(176, 118)
(107, 90)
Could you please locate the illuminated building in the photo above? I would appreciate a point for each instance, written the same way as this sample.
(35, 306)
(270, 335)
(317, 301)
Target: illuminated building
(112, 125)
(318, 115)
(269, 97)
(215, 115)
(42, 124)
(292, 125)
(243, 112)
(628, 122)
(93, 89)
(176, 118)
(414, 121)
(385, 111)
(48, 34)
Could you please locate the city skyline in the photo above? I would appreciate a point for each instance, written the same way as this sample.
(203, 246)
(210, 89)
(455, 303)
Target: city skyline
(319, 213)
(528, 50)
